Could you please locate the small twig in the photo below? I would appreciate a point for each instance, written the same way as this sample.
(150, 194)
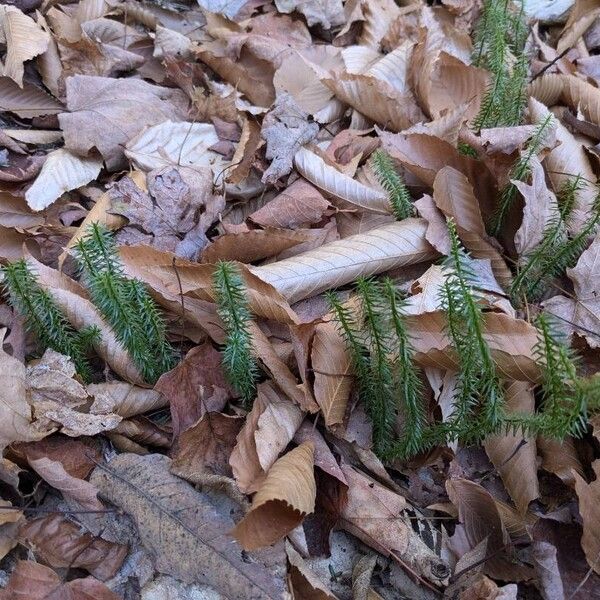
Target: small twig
(550, 64)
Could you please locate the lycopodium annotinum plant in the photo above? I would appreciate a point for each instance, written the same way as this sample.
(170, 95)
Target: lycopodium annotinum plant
(124, 303)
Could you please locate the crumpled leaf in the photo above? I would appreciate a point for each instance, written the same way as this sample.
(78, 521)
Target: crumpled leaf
(186, 532)
(549, 581)
(60, 543)
(374, 515)
(581, 314)
(328, 13)
(15, 408)
(72, 488)
(182, 144)
(227, 8)
(340, 262)
(283, 500)
(34, 581)
(170, 215)
(126, 399)
(62, 171)
(286, 129)
(106, 113)
(305, 584)
(24, 39)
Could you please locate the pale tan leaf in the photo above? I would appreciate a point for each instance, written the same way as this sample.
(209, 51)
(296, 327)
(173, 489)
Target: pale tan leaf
(373, 514)
(72, 488)
(589, 509)
(582, 96)
(187, 533)
(328, 13)
(516, 461)
(340, 262)
(11, 243)
(541, 209)
(378, 15)
(275, 429)
(284, 499)
(245, 152)
(437, 229)
(98, 214)
(392, 68)
(511, 341)
(15, 409)
(34, 136)
(547, 89)
(565, 162)
(28, 102)
(79, 310)
(580, 314)
(24, 39)
(339, 186)
(333, 374)
(453, 195)
(126, 399)
(62, 171)
(171, 144)
(244, 461)
(377, 100)
(426, 292)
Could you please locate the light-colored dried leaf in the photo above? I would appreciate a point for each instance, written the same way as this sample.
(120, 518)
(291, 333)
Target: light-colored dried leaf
(589, 509)
(338, 263)
(283, 500)
(62, 171)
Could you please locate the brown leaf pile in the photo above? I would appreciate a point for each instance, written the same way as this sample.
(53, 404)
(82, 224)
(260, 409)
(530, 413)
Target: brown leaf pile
(243, 131)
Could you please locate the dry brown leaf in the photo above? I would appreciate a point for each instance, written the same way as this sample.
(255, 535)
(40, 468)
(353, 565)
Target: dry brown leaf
(14, 213)
(582, 97)
(516, 461)
(283, 500)
(244, 462)
(437, 230)
(60, 543)
(62, 171)
(374, 515)
(511, 342)
(28, 102)
(33, 581)
(106, 113)
(589, 508)
(72, 488)
(453, 195)
(478, 513)
(341, 262)
(339, 186)
(548, 574)
(196, 385)
(331, 365)
(254, 245)
(206, 446)
(560, 458)
(73, 301)
(299, 204)
(11, 244)
(565, 162)
(581, 314)
(241, 162)
(195, 281)
(376, 99)
(185, 532)
(24, 39)
(126, 399)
